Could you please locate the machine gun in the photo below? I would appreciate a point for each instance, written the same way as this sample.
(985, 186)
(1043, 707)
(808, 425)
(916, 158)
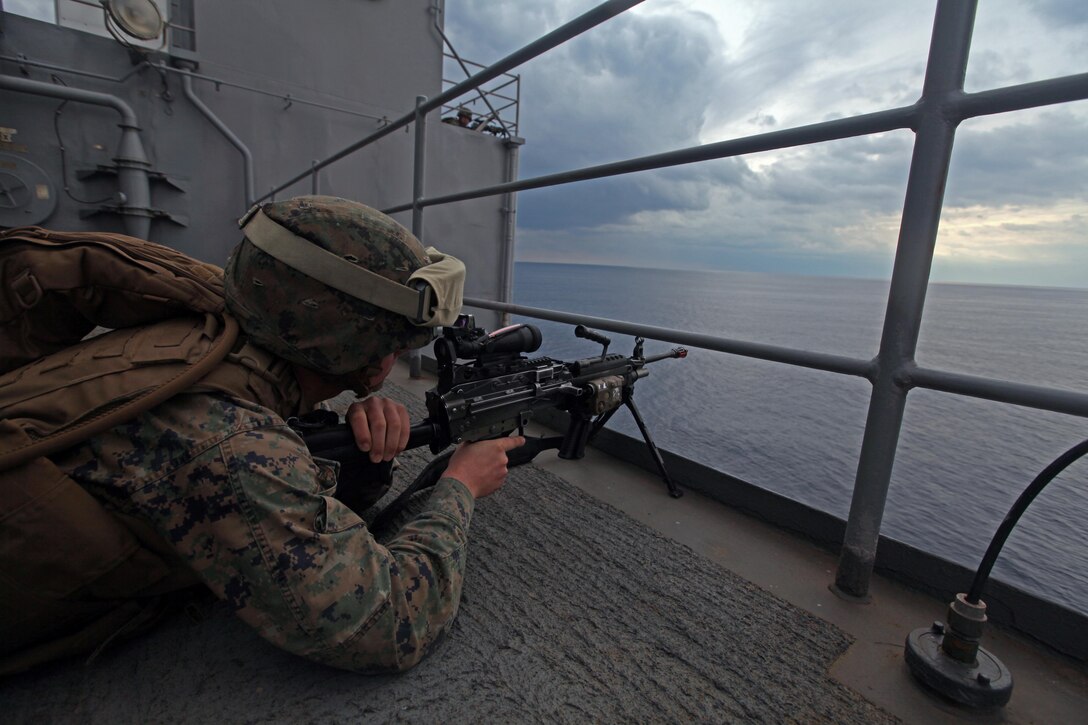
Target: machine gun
(498, 390)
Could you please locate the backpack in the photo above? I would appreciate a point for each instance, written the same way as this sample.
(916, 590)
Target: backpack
(73, 575)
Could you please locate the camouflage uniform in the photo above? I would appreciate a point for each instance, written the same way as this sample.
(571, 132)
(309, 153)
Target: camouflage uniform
(239, 498)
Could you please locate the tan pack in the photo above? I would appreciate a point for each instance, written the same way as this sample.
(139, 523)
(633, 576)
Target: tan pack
(72, 574)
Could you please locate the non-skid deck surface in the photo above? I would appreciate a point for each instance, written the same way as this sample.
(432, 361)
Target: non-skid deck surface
(572, 612)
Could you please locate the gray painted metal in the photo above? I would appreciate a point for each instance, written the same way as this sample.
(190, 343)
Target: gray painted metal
(197, 177)
(1002, 391)
(959, 106)
(131, 160)
(815, 133)
(288, 99)
(23, 61)
(596, 16)
(510, 223)
(415, 359)
(945, 72)
(419, 167)
(468, 74)
(247, 156)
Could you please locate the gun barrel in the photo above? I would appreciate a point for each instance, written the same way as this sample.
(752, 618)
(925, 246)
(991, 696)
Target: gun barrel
(679, 352)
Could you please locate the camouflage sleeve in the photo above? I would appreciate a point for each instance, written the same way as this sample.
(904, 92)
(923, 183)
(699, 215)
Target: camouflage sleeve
(255, 518)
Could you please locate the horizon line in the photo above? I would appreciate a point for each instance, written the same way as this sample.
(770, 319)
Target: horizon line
(801, 274)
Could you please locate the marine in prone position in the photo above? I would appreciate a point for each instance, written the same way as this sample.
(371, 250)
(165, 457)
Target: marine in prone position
(209, 486)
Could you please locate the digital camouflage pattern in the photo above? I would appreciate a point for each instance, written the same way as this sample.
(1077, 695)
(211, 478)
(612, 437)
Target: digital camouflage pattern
(236, 494)
(226, 484)
(306, 322)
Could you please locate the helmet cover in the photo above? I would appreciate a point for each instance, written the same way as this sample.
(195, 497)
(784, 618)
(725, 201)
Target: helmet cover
(303, 320)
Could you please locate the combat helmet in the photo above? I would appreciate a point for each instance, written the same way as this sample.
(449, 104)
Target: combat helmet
(335, 286)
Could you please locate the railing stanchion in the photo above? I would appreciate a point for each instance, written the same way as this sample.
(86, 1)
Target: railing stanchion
(415, 359)
(945, 71)
(509, 226)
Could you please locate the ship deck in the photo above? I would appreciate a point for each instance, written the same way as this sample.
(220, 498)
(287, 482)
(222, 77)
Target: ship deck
(1049, 688)
(591, 595)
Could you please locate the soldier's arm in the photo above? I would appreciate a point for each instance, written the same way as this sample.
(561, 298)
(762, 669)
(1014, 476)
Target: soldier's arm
(255, 518)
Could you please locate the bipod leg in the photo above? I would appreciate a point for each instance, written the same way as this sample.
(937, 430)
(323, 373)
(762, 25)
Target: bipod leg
(674, 490)
(599, 423)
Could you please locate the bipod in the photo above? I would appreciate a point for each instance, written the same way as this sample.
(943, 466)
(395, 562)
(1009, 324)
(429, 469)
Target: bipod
(629, 403)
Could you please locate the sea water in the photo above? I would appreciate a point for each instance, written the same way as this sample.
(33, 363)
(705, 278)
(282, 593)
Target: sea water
(961, 462)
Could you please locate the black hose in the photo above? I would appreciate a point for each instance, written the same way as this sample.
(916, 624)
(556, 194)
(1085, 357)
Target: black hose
(1018, 508)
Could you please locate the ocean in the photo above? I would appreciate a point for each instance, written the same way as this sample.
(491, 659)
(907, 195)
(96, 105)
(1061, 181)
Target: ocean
(961, 462)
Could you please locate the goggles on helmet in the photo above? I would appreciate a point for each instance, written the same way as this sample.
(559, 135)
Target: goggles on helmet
(432, 296)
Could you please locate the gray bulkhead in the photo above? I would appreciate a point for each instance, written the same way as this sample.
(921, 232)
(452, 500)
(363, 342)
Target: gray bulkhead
(315, 77)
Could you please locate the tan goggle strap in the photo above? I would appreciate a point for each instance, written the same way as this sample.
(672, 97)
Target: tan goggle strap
(433, 296)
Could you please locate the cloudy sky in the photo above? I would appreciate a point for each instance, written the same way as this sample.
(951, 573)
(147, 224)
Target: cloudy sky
(676, 73)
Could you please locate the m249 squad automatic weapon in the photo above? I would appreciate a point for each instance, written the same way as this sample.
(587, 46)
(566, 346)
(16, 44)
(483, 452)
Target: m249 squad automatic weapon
(488, 388)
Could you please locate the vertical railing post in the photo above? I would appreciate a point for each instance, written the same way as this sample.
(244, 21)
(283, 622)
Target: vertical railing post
(510, 223)
(415, 359)
(935, 132)
(313, 177)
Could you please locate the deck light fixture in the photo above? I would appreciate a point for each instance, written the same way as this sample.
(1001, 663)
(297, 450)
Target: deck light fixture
(139, 19)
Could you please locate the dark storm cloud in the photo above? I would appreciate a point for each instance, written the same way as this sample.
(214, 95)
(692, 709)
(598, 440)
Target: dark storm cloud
(666, 77)
(870, 171)
(610, 200)
(635, 85)
(1040, 160)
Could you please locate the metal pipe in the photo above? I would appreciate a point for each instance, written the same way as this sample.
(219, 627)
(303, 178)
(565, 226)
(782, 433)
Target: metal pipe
(592, 18)
(1002, 391)
(419, 170)
(789, 356)
(840, 128)
(1002, 100)
(260, 91)
(24, 61)
(247, 157)
(1018, 98)
(509, 225)
(945, 71)
(39, 88)
(131, 160)
(170, 69)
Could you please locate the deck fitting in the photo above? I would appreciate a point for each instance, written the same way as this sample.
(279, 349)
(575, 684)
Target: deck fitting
(948, 658)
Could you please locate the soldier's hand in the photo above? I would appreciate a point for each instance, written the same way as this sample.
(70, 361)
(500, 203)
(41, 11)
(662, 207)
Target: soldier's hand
(380, 426)
(482, 466)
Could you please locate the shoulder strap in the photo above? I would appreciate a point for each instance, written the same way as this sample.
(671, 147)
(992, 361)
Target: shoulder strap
(103, 407)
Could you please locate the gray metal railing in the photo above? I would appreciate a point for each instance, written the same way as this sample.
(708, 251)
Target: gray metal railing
(893, 373)
(499, 106)
(592, 18)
